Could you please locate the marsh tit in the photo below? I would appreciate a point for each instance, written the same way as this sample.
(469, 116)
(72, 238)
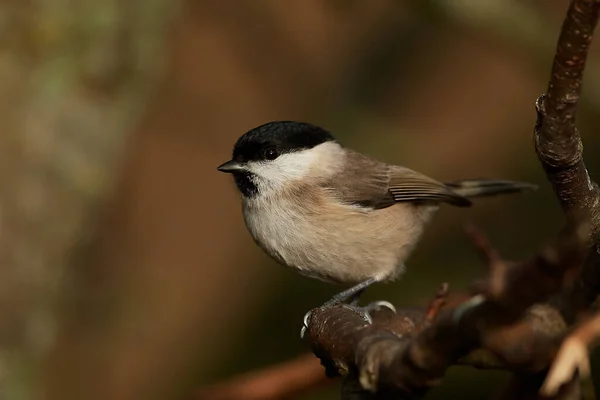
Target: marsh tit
(335, 214)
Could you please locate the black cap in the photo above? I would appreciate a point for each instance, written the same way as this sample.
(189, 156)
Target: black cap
(283, 136)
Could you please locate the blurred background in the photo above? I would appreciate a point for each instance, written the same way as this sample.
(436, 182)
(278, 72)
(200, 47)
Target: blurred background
(156, 289)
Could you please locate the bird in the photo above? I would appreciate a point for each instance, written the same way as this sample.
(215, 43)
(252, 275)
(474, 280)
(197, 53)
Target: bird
(333, 213)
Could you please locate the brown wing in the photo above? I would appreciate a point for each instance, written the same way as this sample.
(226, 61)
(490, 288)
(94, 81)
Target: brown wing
(408, 185)
(370, 183)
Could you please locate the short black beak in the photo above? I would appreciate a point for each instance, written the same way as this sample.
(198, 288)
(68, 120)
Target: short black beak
(231, 166)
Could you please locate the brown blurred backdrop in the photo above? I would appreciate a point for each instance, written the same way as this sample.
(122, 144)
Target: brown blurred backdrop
(174, 294)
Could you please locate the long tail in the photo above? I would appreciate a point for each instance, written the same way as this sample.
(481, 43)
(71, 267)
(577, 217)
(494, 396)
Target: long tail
(488, 187)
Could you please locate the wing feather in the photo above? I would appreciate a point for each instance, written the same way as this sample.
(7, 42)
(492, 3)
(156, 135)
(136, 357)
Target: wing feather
(371, 183)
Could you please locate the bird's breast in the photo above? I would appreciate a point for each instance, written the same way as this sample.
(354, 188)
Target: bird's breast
(333, 241)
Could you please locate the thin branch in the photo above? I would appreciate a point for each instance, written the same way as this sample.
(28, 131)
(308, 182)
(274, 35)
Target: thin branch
(440, 300)
(278, 382)
(560, 151)
(558, 143)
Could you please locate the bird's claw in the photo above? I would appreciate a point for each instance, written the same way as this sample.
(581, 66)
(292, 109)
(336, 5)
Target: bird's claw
(376, 306)
(306, 318)
(302, 332)
(305, 322)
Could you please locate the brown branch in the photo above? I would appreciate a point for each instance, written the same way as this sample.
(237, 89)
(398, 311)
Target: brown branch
(558, 143)
(440, 300)
(560, 151)
(405, 354)
(278, 382)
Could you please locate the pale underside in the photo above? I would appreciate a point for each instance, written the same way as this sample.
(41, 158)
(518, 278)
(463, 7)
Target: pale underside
(338, 242)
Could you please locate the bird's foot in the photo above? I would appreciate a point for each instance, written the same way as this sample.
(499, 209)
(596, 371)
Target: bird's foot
(364, 312)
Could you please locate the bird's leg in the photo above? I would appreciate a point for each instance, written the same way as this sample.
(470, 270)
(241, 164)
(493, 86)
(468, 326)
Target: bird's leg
(352, 294)
(353, 301)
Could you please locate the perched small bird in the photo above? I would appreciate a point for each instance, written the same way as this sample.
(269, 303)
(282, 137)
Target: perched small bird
(335, 214)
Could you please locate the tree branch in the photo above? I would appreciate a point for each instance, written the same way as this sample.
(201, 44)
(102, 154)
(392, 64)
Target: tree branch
(558, 143)
(278, 382)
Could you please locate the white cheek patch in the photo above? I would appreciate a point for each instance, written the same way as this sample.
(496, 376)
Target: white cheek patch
(275, 174)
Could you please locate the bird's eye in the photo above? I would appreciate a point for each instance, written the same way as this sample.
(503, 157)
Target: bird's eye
(271, 153)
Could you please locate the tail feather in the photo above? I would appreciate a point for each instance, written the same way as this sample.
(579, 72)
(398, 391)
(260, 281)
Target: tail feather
(488, 187)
